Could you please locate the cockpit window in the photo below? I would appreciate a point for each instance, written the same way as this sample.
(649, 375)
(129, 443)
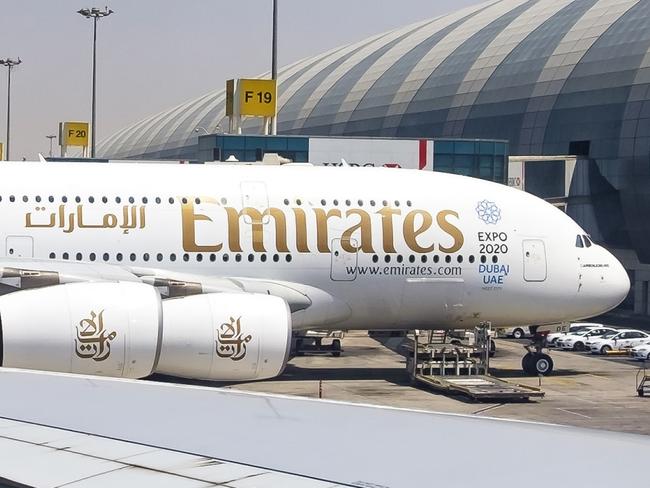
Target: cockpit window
(579, 241)
(587, 241)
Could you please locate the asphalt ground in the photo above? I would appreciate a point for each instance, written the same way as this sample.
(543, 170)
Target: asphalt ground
(585, 390)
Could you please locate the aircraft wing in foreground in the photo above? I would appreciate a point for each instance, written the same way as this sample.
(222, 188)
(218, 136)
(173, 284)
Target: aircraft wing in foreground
(288, 441)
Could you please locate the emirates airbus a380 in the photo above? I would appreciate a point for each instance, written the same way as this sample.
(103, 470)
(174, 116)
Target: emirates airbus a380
(204, 271)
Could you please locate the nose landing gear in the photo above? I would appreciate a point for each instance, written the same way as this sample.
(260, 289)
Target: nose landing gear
(536, 362)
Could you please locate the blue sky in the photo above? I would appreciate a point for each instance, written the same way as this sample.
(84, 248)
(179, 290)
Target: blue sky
(153, 54)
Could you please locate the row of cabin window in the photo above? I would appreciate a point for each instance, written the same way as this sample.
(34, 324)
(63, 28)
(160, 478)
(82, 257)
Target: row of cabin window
(251, 257)
(78, 199)
(424, 258)
(171, 200)
(172, 257)
(348, 203)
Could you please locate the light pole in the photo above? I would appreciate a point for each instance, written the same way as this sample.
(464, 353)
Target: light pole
(95, 14)
(9, 63)
(51, 137)
(274, 62)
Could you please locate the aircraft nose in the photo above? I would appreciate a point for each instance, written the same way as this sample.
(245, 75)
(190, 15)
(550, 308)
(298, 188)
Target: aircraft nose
(604, 283)
(619, 282)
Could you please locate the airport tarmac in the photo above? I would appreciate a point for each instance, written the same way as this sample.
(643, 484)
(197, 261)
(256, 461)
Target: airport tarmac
(585, 391)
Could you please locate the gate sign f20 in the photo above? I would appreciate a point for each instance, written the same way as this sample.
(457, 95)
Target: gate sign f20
(75, 134)
(257, 97)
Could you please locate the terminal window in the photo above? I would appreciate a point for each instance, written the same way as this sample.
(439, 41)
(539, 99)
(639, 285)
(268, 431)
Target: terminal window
(480, 159)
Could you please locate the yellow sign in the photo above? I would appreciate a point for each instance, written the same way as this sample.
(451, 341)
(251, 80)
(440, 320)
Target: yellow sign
(75, 134)
(257, 97)
(230, 97)
(2, 151)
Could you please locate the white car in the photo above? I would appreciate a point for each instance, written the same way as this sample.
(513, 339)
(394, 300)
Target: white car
(551, 339)
(576, 341)
(515, 332)
(641, 352)
(622, 339)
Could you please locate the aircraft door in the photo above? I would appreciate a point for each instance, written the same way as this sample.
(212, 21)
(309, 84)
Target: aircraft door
(19, 247)
(534, 260)
(344, 263)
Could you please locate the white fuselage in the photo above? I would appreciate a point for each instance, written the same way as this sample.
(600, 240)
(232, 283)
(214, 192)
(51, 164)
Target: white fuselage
(403, 248)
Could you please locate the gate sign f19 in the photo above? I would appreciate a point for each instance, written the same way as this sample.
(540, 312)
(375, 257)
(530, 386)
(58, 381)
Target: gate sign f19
(75, 134)
(257, 97)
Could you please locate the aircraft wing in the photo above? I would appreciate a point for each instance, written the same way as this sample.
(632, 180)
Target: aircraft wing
(311, 307)
(92, 431)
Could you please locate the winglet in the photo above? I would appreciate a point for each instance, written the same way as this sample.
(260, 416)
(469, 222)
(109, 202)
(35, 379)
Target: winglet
(41, 158)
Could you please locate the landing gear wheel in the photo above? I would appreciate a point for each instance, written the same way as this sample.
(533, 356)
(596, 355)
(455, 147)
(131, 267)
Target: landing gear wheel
(543, 364)
(336, 348)
(537, 363)
(493, 348)
(526, 363)
(518, 333)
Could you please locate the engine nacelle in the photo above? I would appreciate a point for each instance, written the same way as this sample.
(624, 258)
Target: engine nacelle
(107, 329)
(123, 329)
(225, 336)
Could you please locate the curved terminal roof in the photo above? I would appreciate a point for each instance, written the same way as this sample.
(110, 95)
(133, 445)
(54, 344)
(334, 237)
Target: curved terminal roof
(541, 73)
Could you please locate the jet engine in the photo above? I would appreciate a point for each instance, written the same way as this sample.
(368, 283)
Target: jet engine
(125, 330)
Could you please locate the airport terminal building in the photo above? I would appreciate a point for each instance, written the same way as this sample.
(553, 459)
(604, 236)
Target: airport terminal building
(551, 77)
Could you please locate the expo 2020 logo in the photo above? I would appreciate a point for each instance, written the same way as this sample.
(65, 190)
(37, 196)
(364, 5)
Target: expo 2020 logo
(488, 212)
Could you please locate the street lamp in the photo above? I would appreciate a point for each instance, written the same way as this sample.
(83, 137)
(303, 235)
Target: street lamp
(9, 63)
(274, 61)
(95, 14)
(51, 138)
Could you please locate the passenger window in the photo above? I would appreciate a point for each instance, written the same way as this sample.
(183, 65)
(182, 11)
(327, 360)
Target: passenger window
(579, 242)
(587, 241)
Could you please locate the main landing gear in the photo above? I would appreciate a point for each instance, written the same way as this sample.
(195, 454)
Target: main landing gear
(536, 362)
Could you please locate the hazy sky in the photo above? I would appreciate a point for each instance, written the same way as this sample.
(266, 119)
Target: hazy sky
(153, 54)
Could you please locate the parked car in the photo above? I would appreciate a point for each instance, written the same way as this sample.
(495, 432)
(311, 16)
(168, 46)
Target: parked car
(576, 341)
(518, 332)
(641, 352)
(551, 339)
(626, 338)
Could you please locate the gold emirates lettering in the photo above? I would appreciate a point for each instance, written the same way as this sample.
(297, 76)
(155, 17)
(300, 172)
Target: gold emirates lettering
(354, 228)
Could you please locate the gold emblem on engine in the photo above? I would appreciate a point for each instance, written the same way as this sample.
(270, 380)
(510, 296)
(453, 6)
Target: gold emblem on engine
(93, 342)
(230, 342)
